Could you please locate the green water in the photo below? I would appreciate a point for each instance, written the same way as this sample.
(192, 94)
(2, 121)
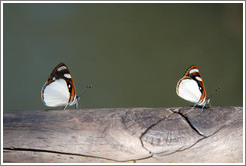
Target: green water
(132, 54)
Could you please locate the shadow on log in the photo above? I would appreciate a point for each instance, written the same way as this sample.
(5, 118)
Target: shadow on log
(162, 135)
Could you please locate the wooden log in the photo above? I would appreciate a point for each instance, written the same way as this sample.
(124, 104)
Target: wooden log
(143, 135)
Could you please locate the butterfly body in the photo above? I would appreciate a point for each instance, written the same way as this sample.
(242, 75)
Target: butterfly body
(59, 90)
(191, 87)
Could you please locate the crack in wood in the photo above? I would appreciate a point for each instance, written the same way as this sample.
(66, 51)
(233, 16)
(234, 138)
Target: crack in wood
(151, 126)
(72, 154)
(181, 150)
(190, 124)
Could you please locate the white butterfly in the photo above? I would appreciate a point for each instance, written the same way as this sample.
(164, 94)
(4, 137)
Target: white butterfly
(59, 90)
(191, 87)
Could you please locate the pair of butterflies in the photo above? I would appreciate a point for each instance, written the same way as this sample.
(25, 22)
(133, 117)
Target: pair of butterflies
(60, 90)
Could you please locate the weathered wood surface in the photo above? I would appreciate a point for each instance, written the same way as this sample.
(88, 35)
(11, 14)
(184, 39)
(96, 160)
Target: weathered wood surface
(124, 135)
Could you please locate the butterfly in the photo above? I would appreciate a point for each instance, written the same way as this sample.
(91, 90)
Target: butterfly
(59, 90)
(191, 87)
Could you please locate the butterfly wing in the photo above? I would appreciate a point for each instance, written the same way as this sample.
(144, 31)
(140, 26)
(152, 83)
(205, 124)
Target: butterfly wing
(191, 86)
(56, 93)
(59, 90)
(188, 89)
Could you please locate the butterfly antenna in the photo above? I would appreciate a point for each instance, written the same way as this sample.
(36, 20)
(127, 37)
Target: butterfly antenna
(215, 91)
(86, 88)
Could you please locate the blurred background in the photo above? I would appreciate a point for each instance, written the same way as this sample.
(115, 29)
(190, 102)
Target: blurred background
(132, 54)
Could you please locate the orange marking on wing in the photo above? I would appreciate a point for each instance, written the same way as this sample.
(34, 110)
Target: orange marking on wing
(73, 92)
(190, 68)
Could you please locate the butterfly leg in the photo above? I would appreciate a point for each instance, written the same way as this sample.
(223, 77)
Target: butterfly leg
(65, 107)
(203, 107)
(206, 107)
(194, 106)
(77, 105)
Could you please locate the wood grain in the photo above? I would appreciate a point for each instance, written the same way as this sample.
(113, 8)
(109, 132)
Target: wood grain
(162, 135)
